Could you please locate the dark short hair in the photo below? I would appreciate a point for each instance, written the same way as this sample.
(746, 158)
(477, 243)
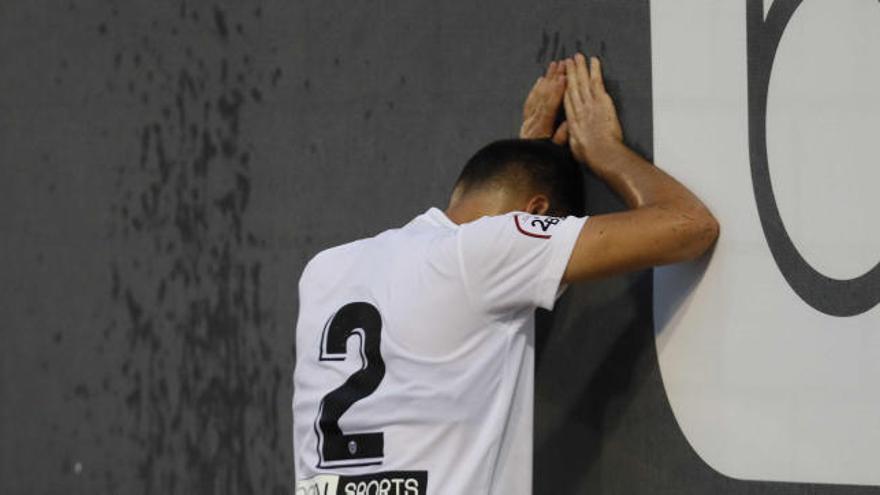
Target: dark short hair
(548, 167)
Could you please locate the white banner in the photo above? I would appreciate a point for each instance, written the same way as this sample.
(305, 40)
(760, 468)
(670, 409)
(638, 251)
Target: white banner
(770, 351)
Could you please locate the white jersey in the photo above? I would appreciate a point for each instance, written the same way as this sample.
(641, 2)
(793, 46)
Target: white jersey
(415, 356)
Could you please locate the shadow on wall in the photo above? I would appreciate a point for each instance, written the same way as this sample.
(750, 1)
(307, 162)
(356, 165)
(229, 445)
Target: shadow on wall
(678, 283)
(589, 354)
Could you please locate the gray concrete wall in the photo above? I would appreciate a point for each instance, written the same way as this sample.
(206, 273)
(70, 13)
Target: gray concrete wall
(168, 167)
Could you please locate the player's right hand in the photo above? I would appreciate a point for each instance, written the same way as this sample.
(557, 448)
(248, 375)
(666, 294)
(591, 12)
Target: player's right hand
(589, 110)
(543, 103)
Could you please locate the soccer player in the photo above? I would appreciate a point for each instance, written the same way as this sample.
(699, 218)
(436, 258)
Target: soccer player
(414, 348)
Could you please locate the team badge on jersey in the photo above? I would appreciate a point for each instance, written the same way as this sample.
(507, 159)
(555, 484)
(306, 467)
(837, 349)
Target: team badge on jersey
(536, 225)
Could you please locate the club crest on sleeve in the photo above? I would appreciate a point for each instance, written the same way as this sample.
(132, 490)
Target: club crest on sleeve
(536, 225)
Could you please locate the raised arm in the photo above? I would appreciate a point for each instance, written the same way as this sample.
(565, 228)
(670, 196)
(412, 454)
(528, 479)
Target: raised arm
(666, 223)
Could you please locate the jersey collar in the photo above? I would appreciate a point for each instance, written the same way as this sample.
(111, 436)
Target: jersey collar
(436, 216)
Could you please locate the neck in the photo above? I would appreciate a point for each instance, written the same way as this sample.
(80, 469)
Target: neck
(464, 208)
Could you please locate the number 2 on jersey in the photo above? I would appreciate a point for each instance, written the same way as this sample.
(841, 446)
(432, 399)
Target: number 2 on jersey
(336, 448)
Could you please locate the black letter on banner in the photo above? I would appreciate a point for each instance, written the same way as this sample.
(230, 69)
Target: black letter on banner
(829, 295)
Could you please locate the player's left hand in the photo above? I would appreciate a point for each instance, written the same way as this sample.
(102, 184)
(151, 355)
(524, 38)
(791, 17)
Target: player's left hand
(543, 103)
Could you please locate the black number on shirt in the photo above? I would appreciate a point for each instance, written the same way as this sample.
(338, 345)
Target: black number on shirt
(546, 223)
(335, 447)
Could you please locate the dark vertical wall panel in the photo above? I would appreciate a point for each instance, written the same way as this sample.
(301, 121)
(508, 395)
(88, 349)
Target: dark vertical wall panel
(168, 168)
(144, 248)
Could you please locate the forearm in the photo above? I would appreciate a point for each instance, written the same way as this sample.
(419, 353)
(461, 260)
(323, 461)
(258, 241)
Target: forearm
(680, 217)
(638, 182)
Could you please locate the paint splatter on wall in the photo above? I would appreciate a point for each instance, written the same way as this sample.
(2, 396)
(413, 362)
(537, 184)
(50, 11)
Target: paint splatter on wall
(199, 393)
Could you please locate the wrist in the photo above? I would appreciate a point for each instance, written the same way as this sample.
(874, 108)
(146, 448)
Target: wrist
(602, 150)
(532, 129)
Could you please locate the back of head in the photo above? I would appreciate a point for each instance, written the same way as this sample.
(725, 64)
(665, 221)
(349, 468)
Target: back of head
(532, 166)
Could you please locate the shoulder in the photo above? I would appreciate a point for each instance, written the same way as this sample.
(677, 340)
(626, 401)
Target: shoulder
(329, 257)
(517, 225)
(339, 255)
(538, 226)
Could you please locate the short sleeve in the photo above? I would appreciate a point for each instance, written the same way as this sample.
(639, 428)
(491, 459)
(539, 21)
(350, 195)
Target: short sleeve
(515, 261)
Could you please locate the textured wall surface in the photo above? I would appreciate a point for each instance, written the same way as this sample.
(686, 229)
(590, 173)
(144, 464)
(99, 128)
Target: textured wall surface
(167, 169)
(144, 248)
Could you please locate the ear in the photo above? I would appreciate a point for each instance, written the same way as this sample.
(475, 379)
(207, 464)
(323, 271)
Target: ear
(538, 205)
